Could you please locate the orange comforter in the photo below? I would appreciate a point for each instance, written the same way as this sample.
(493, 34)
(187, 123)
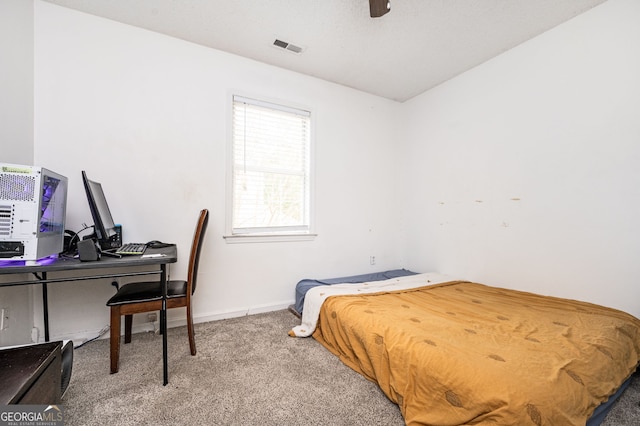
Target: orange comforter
(465, 353)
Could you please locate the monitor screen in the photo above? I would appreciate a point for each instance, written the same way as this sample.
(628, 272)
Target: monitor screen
(103, 223)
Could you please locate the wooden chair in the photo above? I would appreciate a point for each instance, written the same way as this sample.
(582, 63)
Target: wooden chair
(138, 297)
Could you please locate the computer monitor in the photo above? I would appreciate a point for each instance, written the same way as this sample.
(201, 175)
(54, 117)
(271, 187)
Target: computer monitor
(104, 227)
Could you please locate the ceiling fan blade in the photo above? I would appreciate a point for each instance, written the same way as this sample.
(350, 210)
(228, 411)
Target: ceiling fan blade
(378, 8)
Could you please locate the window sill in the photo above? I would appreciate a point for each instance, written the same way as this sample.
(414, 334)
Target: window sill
(268, 238)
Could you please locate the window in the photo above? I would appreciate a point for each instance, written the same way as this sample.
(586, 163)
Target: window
(270, 169)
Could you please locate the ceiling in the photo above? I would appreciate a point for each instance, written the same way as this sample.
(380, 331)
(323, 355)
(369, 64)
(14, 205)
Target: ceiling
(416, 46)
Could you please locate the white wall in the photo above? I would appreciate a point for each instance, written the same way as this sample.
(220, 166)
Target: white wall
(519, 173)
(16, 137)
(112, 98)
(16, 81)
(524, 172)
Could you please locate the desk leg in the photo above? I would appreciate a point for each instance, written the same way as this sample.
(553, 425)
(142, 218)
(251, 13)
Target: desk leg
(45, 308)
(163, 325)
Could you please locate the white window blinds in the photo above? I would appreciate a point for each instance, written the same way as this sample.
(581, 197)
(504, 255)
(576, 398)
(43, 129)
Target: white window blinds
(271, 161)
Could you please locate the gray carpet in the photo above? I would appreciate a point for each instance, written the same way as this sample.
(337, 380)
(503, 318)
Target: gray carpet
(247, 372)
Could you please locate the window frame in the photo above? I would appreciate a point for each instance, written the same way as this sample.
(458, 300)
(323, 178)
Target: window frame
(276, 234)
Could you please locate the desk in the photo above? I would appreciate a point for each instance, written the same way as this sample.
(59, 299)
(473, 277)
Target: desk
(112, 269)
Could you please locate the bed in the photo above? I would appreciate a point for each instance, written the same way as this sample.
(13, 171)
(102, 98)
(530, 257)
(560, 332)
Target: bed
(453, 352)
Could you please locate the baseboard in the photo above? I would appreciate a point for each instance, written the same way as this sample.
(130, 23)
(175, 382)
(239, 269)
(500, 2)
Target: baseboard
(216, 316)
(147, 327)
(78, 338)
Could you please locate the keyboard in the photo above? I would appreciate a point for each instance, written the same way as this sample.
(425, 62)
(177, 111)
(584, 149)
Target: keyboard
(131, 248)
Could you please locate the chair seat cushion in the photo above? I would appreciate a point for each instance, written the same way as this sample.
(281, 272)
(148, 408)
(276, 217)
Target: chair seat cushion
(147, 292)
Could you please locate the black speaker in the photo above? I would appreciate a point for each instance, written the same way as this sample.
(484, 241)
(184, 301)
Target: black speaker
(88, 250)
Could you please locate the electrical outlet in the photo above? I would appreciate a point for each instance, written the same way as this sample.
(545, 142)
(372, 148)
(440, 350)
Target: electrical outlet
(152, 317)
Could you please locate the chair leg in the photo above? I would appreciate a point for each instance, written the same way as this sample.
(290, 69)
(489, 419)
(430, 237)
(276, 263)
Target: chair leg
(114, 338)
(128, 322)
(192, 339)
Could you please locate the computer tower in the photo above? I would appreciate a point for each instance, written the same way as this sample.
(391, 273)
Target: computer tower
(33, 203)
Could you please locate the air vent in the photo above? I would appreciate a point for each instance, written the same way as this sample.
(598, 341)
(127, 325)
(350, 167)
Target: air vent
(287, 46)
(17, 187)
(378, 8)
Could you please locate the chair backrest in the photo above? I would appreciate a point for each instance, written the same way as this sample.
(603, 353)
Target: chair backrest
(194, 257)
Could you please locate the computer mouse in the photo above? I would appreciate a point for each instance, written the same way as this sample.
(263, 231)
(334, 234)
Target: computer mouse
(158, 244)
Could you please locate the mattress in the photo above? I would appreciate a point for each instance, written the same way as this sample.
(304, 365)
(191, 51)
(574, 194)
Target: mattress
(305, 285)
(452, 352)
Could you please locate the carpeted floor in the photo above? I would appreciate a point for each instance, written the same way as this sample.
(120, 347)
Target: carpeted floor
(247, 372)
